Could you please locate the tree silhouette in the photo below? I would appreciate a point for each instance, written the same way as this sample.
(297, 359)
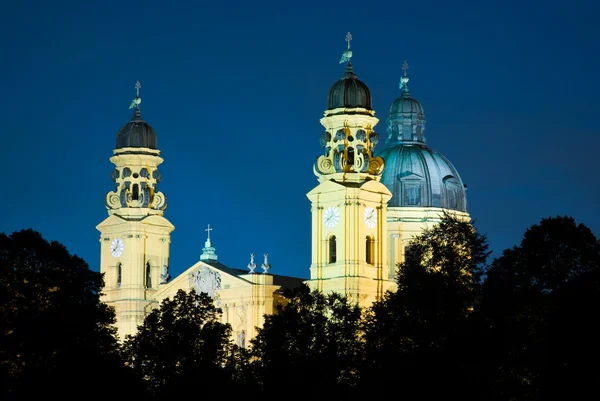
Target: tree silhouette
(528, 332)
(538, 306)
(416, 336)
(311, 344)
(57, 337)
(179, 344)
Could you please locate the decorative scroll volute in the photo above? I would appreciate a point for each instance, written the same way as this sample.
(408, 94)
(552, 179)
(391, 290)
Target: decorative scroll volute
(136, 188)
(349, 150)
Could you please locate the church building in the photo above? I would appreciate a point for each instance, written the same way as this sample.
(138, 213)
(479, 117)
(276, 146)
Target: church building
(367, 206)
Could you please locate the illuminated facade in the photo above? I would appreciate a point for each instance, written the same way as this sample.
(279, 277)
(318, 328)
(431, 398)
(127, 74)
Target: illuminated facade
(135, 243)
(366, 207)
(135, 238)
(349, 206)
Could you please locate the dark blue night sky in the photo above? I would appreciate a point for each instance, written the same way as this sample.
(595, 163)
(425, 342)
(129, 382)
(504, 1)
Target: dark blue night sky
(235, 91)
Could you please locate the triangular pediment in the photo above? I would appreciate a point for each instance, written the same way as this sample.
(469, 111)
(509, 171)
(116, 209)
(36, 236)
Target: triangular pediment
(226, 276)
(212, 278)
(409, 175)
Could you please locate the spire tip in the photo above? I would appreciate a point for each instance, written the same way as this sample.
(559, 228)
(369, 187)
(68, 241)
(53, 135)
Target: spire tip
(404, 79)
(347, 55)
(135, 103)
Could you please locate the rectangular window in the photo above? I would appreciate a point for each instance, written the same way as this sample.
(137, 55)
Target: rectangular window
(412, 194)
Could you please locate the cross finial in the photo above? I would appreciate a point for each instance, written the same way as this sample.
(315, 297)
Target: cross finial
(405, 67)
(136, 102)
(348, 39)
(208, 230)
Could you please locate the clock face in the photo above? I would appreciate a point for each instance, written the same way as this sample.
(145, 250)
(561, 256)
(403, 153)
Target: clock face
(116, 247)
(331, 216)
(370, 217)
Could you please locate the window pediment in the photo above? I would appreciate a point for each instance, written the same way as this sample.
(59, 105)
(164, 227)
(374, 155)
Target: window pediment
(409, 175)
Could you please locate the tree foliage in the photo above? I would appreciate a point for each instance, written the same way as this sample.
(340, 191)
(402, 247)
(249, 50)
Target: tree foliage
(56, 335)
(180, 343)
(539, 299)
(311, 344)
(415, 335)
(521, 329)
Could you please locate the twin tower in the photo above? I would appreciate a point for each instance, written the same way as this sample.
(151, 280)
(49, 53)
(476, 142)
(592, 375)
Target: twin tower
(370, 204)
(365, 210)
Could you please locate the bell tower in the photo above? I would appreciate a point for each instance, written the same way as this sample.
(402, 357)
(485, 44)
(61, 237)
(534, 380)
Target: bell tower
(135, 237)
(349, 206)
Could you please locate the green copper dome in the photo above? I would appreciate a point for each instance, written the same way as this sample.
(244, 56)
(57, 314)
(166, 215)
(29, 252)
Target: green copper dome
(137, 133)
(349, 92)
(421, 177)
(416, 175)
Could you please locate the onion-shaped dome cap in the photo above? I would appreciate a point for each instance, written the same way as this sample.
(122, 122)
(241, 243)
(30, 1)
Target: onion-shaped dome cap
(406, 104)
(137, 133)
(349, 92)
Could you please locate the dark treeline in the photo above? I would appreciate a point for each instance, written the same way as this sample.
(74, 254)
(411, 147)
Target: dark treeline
(519, 328)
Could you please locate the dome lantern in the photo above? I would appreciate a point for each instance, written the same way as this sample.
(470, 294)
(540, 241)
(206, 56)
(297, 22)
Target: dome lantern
(406, 118)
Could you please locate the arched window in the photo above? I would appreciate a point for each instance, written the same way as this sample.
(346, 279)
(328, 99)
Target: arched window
(452, 198)
(148, 275)
(119, 274)
(135, 192)
(350, 156)
(332, 249)
(242, 339)
(369, 250)
(407, 133)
